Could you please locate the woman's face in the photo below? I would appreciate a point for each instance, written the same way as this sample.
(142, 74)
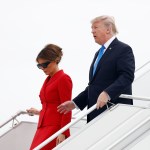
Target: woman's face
(48, 67)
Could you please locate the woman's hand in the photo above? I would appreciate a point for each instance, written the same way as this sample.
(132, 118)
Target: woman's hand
(60, 138)
(33, 111)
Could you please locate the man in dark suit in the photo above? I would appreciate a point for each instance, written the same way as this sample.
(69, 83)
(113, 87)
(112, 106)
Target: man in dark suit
(111, 72)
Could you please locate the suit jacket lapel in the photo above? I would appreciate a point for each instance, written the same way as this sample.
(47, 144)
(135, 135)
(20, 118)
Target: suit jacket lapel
(105, 55)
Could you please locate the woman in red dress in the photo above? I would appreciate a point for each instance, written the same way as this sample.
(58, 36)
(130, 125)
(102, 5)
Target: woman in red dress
(56, 89)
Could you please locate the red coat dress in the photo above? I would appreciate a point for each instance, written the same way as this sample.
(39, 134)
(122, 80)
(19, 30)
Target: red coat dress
(55, 90)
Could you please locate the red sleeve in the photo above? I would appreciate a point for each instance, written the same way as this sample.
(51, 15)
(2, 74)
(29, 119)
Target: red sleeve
(65, 93)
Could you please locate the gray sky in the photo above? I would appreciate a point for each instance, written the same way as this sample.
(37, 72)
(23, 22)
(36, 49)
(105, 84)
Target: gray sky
(26, 26)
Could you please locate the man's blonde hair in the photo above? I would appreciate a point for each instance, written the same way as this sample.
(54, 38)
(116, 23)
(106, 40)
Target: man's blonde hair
(107, 21)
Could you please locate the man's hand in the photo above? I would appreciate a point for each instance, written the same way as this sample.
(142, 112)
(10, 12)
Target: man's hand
(102, 100)
(66, 107)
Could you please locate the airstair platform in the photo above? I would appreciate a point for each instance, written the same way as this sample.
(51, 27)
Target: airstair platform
(19, 137)
(115, 129)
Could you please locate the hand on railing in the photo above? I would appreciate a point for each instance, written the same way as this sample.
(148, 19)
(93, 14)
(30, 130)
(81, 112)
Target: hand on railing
(102, 100)
(33, 111)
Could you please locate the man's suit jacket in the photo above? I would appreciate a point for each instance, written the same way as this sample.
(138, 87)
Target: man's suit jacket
(114, 75)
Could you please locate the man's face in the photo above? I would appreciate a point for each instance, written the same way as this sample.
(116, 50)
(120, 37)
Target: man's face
(99, 32)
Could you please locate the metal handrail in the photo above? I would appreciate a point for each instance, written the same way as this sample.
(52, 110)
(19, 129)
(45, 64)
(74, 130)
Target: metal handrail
(65, 128)
(142, 66)
(145, 70)
(134, 97)
(13, 117)
(81, 116)
(21, 112)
